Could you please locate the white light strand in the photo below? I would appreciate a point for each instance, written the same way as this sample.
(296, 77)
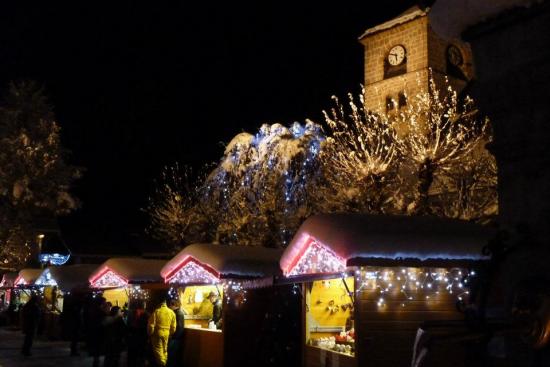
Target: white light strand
(109, 280)
(193, 273)
(138, 293)
(234, 290)
(413, 284)
(318, 259)
(54, 259)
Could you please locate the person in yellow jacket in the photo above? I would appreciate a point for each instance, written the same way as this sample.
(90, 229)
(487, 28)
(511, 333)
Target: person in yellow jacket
(161, 325)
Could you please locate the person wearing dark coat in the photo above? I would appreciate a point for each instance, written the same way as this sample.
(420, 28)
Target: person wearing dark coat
(72, 320)
(95, 319)
(137, 334)
(115, 335)
(216, 309)
(31, 320)
(175, 345)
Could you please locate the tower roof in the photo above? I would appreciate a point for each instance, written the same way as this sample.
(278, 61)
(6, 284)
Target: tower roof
(408, 15)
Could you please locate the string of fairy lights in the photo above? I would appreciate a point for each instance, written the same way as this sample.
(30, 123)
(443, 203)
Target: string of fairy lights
(109, 280)
(317, 259)
(406, 285)
(135, 292)
(193, 273)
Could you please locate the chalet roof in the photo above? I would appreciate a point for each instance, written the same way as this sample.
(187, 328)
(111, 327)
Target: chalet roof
(400, 240)
(133, 269)
(229, 261)
(29, 276)
(408, 15)
(70, 277)
(8, 279)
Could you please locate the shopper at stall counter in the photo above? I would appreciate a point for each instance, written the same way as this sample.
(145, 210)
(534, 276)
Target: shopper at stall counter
(216, 309)
(161, 325)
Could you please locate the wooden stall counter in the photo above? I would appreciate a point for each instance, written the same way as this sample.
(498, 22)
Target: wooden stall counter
(320, 357)
(203, 347)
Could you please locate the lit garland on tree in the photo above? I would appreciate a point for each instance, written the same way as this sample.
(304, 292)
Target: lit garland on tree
(259, 191)
(428, 157)
(359, 160)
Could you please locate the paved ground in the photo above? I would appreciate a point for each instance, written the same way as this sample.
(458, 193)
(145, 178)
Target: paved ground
(44, 353)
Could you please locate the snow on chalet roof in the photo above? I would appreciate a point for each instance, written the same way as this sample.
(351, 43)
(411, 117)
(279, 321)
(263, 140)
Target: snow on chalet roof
(375, 239)
(228, 261)
(71, 277)
(8, 280)
(132, 269)
(28, 276)
(408, 15)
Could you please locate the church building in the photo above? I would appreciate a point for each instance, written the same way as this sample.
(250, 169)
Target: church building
(399, 54)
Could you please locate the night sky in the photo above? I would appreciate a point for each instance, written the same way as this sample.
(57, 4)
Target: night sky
(136, 86)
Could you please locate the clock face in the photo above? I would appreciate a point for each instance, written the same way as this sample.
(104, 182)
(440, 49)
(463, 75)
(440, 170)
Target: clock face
(396, 55)
(454, 55)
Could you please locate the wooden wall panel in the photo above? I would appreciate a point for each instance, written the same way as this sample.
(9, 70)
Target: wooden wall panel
(265, 330)
(202, 348)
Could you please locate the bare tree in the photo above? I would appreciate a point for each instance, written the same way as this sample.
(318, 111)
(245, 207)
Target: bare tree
(441, 136)
(427, 157)
(177, 215)
(360, 161)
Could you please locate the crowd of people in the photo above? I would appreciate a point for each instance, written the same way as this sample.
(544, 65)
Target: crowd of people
(149, 338)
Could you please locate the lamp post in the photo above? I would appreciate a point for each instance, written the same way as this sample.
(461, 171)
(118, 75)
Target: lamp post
(39, 238)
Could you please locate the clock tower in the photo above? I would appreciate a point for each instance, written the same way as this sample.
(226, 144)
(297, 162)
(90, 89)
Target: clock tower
(399, 54)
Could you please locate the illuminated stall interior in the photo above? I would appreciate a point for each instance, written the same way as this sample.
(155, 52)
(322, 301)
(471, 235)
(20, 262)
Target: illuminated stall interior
(24, 284)
(121, 279)
(200, 270)
(203, 269)
(196, 305)
(370, 281)
(6, 289)
(58, 281)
